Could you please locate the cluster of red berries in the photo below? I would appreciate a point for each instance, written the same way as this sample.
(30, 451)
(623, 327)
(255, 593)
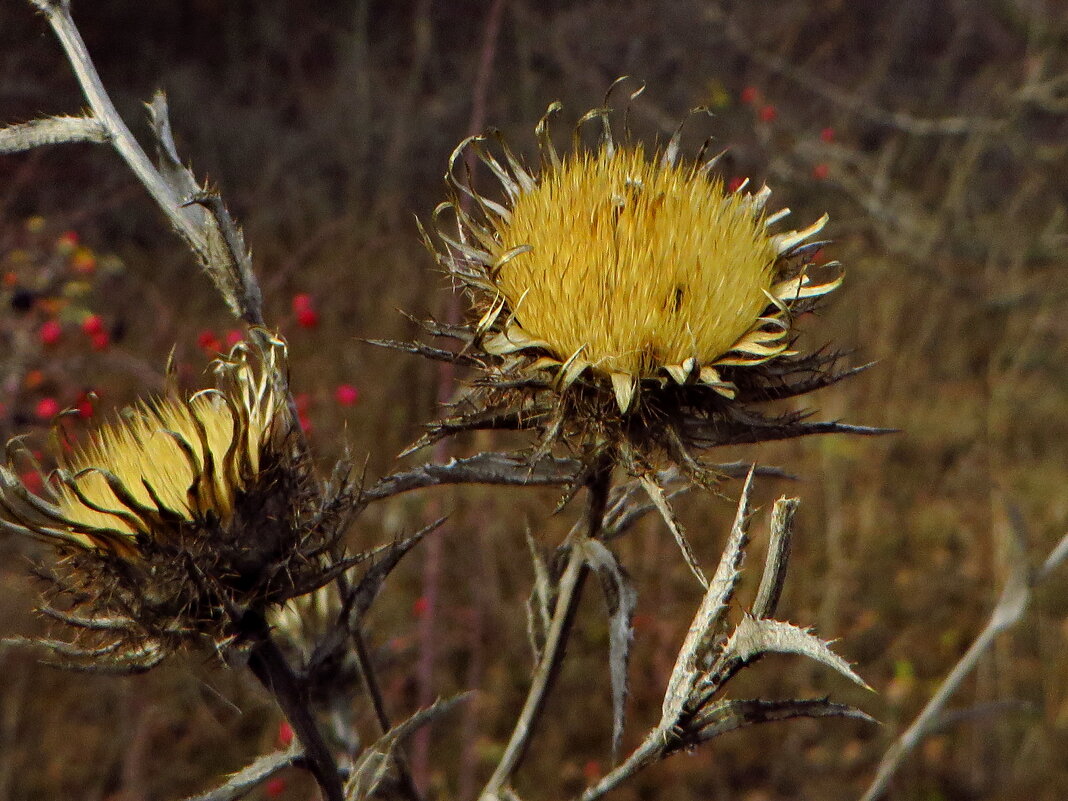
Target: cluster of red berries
(212, 345)
(305, 311)
(766, 113)
(48, 407)
(51, 332)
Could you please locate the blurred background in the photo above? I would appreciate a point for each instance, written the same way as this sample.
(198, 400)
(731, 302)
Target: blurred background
(932, 131)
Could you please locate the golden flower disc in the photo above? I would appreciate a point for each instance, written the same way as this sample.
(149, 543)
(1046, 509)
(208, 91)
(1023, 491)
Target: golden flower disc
(634, 265)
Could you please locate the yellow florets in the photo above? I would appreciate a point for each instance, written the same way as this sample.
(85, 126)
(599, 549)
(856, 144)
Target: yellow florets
(163, 466)
(639, 268)
(157, 455)
(637, 265)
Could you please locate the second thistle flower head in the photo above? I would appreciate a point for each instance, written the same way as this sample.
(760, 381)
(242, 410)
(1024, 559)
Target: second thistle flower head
(181, 517)
(626, 293)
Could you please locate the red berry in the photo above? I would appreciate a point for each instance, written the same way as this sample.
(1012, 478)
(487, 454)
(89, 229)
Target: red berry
(767, 113)
(274, 787)
(32, 481)
(209, 342)
(749, 95)
(346, 394)
(308, 318)
(47, 408)
(92, 325)
(302, 400)
(285, 734)
(51, 332)
(233, 336)
(100, 340)
(421, 606)
(820, 172)
(305, 422)
(735, 183)
(302, 301)
(827, 134)
(85, 409)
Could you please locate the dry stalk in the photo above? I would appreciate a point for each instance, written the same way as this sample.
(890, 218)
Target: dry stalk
(552, 654)
(1008, 612)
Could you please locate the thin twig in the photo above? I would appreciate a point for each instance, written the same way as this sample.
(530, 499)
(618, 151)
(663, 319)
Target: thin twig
(374, 692)
(1007, 613)
(556, 639)
(859, 105)
(104, 112)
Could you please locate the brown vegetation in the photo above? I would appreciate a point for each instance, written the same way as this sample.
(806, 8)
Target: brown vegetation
(933, 132)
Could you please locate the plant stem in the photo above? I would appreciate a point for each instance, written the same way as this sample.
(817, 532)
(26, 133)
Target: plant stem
(273, 671)
(374, 692)
(570, 589)
(58, 14)
(647, 753)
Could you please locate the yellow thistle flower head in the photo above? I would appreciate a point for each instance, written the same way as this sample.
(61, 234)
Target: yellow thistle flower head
(182, 510)
(629, 272)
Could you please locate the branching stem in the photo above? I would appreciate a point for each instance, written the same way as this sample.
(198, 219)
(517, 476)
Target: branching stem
(570, 589)
(116, 131)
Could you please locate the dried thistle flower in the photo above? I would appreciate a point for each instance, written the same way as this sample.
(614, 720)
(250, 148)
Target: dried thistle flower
(626, 300)
(180, 518)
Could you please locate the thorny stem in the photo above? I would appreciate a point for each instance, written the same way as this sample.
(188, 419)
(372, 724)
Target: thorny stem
(269, 665)
(374, 692)
(570, 589)
(192, 227)
(58, 14)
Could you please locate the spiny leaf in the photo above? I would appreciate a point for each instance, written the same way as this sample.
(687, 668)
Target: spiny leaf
(754, 637)
(541, 600)
(621, 598)
(709, 617)
(656, 495)
(366, 590)
(731, 715)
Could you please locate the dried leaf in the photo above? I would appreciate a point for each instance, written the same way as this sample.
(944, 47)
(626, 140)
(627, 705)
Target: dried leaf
(366, 589)
(709, 617)
(774, 575)
(754, 638)
(621, 598)
(656, 495)
(731, 715)
(178, 177)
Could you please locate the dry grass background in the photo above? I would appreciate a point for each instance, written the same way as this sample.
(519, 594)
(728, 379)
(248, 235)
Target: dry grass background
(327, 126)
